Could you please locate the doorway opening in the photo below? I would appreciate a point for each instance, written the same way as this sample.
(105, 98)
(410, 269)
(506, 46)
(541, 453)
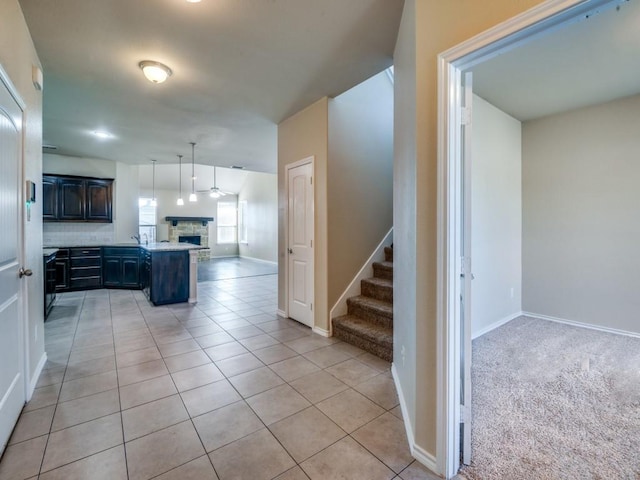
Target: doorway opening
(455, 269)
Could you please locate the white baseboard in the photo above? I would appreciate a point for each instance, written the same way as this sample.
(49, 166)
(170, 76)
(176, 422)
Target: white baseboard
(259, 260)
(583, 325)
(36, 375)
(282, 313)
(321, 331)
(419, 453)
(495, 325)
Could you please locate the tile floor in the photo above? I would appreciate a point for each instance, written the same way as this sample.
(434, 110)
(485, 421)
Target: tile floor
(221, 390)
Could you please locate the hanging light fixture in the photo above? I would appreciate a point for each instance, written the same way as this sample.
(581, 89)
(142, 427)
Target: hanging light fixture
(153, 201)
(215, 191)
(193, 197)
(180, 201)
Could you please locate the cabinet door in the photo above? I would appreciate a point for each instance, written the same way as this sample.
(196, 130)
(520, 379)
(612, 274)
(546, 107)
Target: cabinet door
(99, 200)
(49, 198)
(71, 198)
(130, 272)
(111, 272)
(62, 274)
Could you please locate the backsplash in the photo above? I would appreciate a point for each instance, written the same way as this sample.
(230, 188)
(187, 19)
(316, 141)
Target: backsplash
(63, 234)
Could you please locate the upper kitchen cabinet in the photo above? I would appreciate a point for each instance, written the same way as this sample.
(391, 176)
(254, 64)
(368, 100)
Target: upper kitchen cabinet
(77, 199)
(49, 198)
(99, 200)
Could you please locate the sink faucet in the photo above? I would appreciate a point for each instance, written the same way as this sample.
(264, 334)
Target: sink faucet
(146, 239)
(136, 238)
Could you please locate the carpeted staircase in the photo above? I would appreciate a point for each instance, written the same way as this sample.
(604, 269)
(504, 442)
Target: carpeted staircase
(369, 321)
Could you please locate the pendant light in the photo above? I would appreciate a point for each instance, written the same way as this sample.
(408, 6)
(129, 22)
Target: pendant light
(153, 202)
(193, 197)
(180, 201)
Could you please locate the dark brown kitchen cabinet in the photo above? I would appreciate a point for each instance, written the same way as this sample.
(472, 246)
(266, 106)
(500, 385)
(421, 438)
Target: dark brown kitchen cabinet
(99, 202)
(62, 270)
(165, 276)
(121, 267)
(49, 198)
(71, 199)
(77, 199)
(85, 268)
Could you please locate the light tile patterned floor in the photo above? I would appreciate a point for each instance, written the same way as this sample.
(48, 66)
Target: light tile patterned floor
(221, 390)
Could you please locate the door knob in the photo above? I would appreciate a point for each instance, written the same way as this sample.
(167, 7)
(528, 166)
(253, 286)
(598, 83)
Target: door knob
(290, 251)
(24, 273)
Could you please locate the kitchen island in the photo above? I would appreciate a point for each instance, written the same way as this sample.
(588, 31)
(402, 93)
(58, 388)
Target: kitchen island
(166, 272)
(169, 272)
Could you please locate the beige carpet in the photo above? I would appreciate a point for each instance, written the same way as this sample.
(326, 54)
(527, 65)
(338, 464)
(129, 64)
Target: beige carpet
(553, 401)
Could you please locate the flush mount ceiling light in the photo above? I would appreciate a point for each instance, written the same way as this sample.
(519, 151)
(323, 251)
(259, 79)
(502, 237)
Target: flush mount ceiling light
(153, 201)
(193, 197)
(101, 134)
(194, 1)
(155, 72)
(180, 201)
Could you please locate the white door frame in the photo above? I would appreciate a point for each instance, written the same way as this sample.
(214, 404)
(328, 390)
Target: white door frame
(451, 63)
(288, 167)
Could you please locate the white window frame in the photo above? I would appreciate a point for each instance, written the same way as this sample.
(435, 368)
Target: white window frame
(243, 234)
(221, 225)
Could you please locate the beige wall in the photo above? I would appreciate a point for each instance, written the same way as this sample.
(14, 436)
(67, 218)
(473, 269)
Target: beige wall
(581, 198)
(433, 26)
(17, 56)
(260, 191)
(125, 198)
(303, 135)
(496, 212)
(360, 178)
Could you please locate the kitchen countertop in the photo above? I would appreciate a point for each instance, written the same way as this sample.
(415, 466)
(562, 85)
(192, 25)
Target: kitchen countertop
(151, 247)
(48, 251)
(169, 247)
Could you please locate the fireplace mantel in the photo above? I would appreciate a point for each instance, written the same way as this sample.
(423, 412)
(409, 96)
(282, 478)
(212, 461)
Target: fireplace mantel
(174, 220)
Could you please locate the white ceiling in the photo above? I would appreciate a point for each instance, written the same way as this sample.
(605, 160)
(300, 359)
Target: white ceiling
(590, 61)
(239, 68)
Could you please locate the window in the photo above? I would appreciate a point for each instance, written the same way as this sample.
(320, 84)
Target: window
(242, 222)
(146, 220)
(227, 222)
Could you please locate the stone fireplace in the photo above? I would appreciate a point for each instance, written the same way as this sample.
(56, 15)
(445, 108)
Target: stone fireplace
(190, 229)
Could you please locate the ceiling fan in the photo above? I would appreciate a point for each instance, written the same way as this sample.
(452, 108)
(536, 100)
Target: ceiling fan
(215, 192)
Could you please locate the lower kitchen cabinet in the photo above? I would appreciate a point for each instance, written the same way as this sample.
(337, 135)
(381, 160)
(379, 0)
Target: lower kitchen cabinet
(121, 267)
(85, 268)
(62, 269)
(165, 276)
(49, 283)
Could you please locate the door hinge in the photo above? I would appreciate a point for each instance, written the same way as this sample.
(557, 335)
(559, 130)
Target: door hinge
(311, 243)
(311, 307)
(464, 414)
(311, 180)
(465, 116)
(465, 265)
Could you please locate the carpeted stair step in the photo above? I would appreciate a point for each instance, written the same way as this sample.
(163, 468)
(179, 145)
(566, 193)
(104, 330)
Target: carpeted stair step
(372, 310)
(378, 288)
(383, 270)
(388, 254)
(373, 338)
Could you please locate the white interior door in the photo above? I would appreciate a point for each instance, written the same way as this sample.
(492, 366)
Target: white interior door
(466, 275)
(12, 382)
(300, 242)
